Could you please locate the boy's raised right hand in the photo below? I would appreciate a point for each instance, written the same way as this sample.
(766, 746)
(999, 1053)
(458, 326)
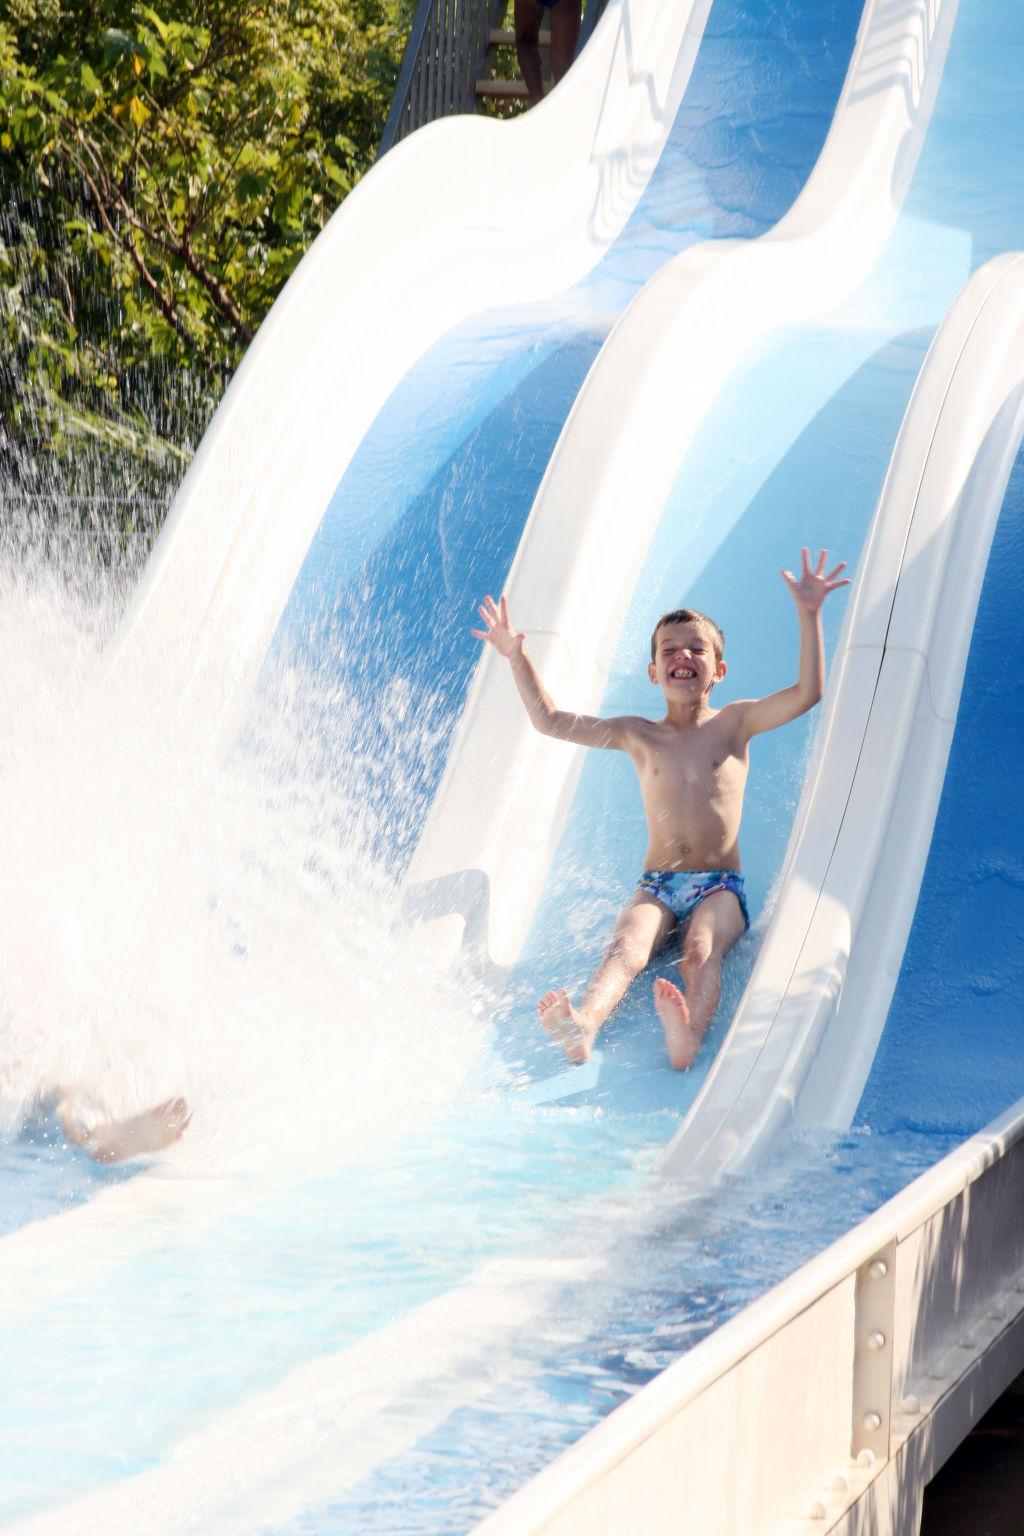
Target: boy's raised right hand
(499, 631)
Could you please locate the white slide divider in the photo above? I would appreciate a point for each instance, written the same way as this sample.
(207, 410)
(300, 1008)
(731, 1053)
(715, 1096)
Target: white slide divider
(496, 820)
(464, 214)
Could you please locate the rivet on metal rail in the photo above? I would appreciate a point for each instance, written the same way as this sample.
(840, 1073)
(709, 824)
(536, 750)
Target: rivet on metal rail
(874, 1315)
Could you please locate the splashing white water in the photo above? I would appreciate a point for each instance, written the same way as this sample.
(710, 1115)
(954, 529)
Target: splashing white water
(171, 923)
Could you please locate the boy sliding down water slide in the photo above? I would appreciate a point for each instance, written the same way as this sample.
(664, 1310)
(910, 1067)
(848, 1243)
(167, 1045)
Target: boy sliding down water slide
(692, 765)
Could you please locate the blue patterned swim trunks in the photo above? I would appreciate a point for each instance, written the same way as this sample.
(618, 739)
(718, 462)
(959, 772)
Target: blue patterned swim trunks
(683, 890)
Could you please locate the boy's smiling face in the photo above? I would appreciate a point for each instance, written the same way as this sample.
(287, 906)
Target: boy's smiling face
(685, 665)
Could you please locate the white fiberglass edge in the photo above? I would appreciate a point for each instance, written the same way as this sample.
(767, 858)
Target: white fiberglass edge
(465, 214)
(501, 812)
(805, 1033)
(828, 1404)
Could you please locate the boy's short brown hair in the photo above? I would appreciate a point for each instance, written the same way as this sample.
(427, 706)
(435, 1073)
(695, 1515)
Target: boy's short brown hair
(691, 616)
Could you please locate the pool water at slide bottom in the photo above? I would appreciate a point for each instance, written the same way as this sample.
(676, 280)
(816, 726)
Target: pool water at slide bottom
(307, 1269)
(674, 1276)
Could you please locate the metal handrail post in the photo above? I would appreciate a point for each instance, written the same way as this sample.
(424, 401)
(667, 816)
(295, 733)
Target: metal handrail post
(410, 60)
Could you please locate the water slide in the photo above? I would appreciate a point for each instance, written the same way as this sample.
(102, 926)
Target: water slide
(740, 283)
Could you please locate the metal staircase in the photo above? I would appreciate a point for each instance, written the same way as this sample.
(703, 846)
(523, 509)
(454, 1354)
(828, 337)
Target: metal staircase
(457, 60)
(497, 86)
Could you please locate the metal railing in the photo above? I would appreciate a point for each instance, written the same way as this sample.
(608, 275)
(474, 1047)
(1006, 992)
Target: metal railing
(445, 56)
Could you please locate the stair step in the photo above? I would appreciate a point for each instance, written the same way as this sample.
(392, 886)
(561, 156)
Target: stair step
(506, 90)
(506, 38)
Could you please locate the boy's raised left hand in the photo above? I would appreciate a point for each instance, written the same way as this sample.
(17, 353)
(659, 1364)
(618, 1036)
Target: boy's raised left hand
(812, 587)
(499, 632)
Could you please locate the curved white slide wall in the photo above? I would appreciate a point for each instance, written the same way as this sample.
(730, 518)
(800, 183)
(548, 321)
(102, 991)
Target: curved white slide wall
(464, 214)
(607, 482)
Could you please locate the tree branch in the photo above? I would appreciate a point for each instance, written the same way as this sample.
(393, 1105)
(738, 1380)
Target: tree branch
(218, 293)
(131, 249)
(181, 249)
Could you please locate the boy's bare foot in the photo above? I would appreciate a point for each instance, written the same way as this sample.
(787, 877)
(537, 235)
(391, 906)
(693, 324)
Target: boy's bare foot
(680, 1036)
(564, 1024)
(151, 1131)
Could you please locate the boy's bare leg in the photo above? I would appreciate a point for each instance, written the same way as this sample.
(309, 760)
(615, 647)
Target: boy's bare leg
(642, 928)
(117, 1140)
(527, 17)
(710, 934)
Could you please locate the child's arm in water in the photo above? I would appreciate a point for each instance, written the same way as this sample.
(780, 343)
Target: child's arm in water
(584, 730)
(809, 592)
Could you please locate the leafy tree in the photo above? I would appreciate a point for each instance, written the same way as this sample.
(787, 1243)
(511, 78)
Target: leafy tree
(162, 170)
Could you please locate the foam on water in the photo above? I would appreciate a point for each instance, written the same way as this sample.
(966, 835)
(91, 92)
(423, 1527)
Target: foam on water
(177, 922)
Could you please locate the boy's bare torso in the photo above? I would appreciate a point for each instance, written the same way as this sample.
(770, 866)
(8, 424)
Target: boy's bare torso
(692, 779)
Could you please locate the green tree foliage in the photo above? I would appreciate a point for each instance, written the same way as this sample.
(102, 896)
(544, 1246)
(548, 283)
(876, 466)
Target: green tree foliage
(162, 169)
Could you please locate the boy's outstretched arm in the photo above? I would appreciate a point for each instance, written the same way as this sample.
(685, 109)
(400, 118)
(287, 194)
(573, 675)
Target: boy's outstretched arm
(584, 730)
(809, 592)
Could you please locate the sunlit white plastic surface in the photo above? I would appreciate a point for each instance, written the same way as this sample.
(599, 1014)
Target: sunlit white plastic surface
(463, 214)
